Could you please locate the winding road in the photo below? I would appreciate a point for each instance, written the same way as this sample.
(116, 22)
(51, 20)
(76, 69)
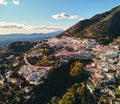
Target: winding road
(35, 67)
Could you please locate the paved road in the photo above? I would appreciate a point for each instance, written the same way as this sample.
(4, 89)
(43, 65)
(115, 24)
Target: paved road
(26, 61)
(36, 67)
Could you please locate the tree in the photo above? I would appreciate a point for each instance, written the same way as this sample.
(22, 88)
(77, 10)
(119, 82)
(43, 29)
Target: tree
(15, 100)
(46, 51)
(69, 97)
(77, 69)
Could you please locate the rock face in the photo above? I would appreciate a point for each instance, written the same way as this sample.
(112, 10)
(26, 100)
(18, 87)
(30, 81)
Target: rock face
(103, 27)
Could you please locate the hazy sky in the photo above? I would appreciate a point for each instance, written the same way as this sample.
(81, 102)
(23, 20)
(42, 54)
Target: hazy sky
(34, 16)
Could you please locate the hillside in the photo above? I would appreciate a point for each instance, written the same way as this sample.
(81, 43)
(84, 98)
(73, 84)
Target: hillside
(103, 27)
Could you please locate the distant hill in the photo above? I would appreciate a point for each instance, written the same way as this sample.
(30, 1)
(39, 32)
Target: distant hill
(103, 27)
(6, 39)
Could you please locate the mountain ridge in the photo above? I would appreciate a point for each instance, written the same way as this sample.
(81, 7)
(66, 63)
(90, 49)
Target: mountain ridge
(9, 38)
(103, 27)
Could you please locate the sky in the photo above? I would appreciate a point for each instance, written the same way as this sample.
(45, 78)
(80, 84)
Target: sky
(43, 16)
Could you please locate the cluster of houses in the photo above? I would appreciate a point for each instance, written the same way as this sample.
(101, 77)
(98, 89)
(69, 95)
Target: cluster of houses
(35, 53)
(33, 74)
(105, 69)
(26, 90)
(69, 47)
(6, 79)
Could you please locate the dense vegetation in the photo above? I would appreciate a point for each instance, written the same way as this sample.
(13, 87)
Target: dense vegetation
(21, 46)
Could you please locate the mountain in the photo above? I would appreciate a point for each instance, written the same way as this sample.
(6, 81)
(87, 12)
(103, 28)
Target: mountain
(6, 39)
(103, 27)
